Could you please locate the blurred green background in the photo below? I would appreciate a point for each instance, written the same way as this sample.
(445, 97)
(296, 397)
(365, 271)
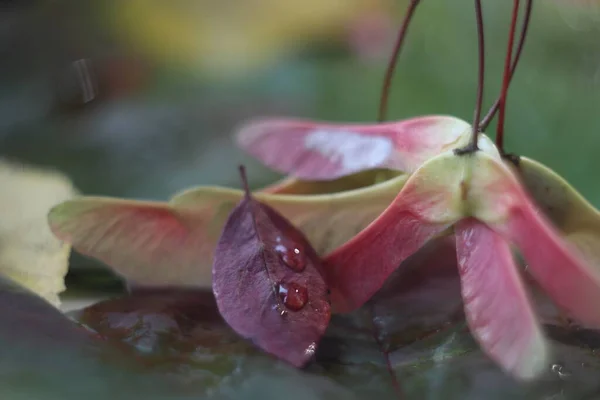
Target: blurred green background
(139, 98)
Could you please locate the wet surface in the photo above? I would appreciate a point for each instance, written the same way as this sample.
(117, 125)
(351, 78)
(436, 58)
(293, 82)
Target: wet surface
(176, 342)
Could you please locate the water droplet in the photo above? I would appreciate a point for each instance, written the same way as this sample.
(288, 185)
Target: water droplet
(282, 311)
(293, 295)
(292, 256)
(310, 350)
(561, 371)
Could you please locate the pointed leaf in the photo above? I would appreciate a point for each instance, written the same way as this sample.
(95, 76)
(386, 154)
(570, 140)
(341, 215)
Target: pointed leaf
(429, 203)
(498, 310)
(268, 283)
(323, 151)
(568, 278)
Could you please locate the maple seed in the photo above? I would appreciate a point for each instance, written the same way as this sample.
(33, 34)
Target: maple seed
(293, 295)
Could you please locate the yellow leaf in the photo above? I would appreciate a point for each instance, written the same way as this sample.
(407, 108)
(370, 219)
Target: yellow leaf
(29, 253)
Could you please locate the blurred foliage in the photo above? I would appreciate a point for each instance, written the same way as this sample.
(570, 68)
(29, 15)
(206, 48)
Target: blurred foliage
(230, 37)
(96, 88)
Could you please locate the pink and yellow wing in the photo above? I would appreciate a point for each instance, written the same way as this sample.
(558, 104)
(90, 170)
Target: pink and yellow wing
(569, 279)
(148, 243)
(172, 244)
(424, 208)
(323, 151)
(568, 275)
(497, 308)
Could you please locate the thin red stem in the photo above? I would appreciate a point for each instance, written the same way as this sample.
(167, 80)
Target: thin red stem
(480, 74)
(506, 78)
(389, 74)
(492, 112)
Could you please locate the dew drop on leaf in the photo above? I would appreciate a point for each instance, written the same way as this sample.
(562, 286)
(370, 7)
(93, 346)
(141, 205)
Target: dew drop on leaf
(268, 282)
(293, 295)
(291, 256)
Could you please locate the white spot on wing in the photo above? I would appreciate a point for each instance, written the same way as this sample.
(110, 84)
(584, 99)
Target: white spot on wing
(352, 150)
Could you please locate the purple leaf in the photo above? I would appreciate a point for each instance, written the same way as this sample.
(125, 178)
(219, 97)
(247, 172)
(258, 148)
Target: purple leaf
(268, 282)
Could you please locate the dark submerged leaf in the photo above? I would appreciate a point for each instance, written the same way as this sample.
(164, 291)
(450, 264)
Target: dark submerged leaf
(268, 282)
(419, 323)
(46, 356)
(180, 333)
